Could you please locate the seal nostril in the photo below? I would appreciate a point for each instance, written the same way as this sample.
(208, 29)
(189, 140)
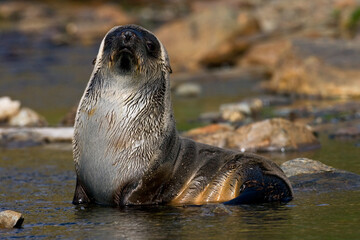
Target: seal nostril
(127, 36)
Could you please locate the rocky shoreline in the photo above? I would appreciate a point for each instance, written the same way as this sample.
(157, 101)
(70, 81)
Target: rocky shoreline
(299, 52)
(241, 126)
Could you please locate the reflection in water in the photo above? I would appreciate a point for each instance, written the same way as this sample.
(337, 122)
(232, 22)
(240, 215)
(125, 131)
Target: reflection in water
(166, 222)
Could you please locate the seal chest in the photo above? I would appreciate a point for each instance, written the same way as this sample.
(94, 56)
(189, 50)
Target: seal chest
(127, 150)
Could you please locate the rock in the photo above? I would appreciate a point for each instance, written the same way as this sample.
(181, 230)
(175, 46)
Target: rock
(210, 129)
(11, 219)
(25, 137)
(215, 209)
(220, 27)
(269, 135)
(232, 115)
(299, 17)
(19, 138)
(325, 116)
(347, 132)
(89, 24)
(240, 107)
(273, 135)
(310, 175)
(266, 54)
(72, 23)
(27, 118)
(245, 111)
(210, 117)
(214, 134)
(304, 166)
(188, 90)
(8, 108)
(324, 68)
(235, 112)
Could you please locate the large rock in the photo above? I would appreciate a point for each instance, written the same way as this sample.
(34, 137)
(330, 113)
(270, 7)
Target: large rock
(8, 108)
(11, 219)
(310, 175)
(273, 135)
(325, 68)
(209, 37)
(268, 135)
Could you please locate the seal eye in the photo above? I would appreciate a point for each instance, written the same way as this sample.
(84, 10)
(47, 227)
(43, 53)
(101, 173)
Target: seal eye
(150, 46)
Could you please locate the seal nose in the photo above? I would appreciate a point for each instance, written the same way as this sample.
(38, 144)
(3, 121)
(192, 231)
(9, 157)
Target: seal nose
(127, 37)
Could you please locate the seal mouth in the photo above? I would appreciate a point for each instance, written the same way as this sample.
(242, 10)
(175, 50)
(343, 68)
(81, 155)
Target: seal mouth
(126, 59)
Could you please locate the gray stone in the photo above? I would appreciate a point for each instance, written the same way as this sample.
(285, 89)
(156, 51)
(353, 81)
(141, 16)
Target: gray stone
(304, 166)
(310, 175)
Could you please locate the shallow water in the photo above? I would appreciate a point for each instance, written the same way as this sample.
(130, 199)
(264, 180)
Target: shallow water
(39, 181)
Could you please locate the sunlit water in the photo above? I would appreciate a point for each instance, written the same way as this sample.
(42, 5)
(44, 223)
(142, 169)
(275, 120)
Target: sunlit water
(39, 182)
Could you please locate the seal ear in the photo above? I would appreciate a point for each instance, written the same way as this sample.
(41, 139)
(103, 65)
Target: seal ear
(168, 68)
(165, 59)
(93, 61)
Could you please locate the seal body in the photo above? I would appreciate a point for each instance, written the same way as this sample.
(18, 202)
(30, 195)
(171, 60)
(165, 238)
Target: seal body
(128, 152)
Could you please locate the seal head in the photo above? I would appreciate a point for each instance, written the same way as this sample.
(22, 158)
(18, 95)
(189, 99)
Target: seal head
(132, 50)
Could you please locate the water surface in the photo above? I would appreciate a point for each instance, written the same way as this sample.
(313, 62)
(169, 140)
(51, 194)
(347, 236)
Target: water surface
(39, 182)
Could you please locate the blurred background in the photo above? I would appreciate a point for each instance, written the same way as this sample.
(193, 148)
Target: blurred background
(278, 77)
(303, 54)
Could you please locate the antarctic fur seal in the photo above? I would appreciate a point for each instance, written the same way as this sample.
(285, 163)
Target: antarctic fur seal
(128, 152)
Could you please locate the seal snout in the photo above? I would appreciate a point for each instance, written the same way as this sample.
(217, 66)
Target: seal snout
(126, 47)
(127, 37)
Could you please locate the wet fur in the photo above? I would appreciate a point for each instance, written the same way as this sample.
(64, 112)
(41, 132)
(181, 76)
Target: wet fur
(128, 152)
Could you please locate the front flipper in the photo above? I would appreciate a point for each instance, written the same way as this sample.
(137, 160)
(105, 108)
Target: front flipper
(267, 189)
(80, 196)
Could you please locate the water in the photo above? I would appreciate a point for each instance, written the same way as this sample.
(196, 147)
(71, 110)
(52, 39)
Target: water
(39, 181)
